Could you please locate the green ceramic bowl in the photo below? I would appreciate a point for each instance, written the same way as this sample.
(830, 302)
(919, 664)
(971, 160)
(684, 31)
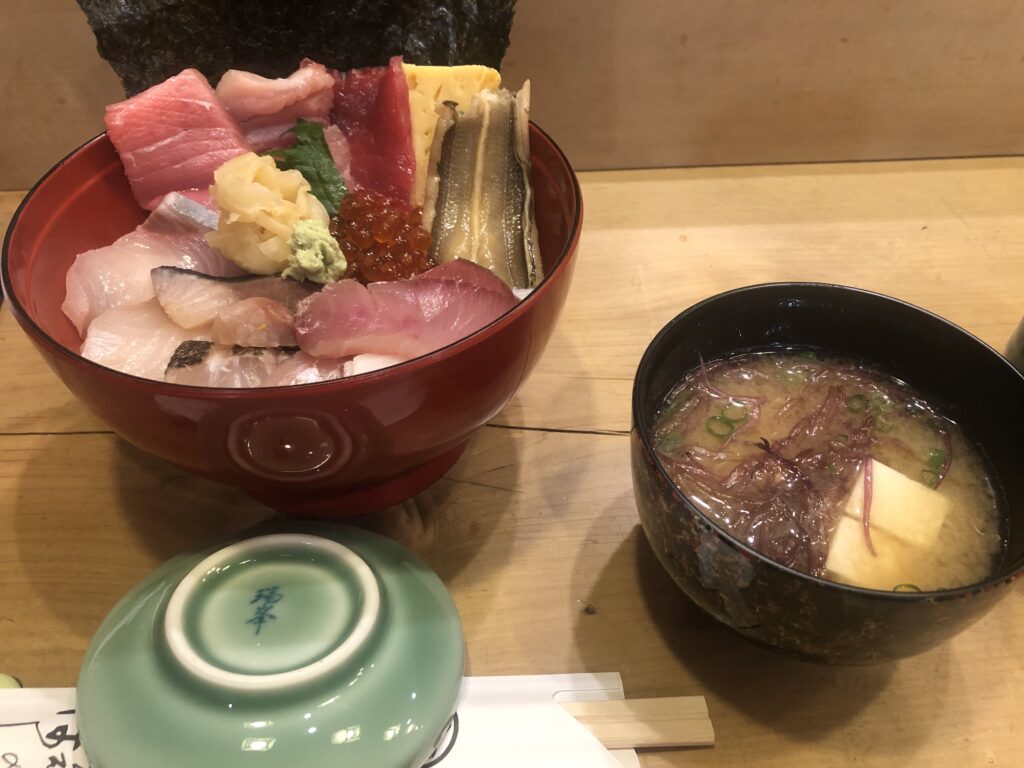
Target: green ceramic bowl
(313, 645)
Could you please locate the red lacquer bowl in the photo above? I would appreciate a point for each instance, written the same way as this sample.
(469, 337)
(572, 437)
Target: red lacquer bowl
(333, 449)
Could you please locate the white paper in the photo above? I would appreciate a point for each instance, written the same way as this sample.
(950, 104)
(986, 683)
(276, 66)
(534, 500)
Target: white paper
(38, 728)
(540, 689)
(503, 722)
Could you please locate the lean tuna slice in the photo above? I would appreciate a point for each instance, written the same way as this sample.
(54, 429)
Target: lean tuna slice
(119, 274)
(202, 363)
(404, 318)
(255, 322)
(173, 136)
(371, 107)
(136, 339)
(192, 299)
(266, 108)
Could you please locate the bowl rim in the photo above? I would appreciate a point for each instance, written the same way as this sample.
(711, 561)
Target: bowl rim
(639, 428)
(190, 390)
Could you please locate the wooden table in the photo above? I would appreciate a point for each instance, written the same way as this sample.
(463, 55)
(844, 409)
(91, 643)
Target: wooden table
(535, 530)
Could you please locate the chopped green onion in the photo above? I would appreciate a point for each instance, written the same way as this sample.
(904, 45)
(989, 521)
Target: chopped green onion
(734, 413)
(906, 588)
(857, 404)
(883, 424)
(669, 442)
(882, 402)
(930, 477)
(795, 377)
(720, 427)
(937, 458)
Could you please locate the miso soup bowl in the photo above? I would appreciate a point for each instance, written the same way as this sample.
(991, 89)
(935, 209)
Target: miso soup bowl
(777, 606)
(330, 449)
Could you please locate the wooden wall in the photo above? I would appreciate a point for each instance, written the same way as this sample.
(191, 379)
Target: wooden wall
(636, 83)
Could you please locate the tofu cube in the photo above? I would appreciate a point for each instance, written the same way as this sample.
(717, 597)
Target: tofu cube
(901, 507)
(851, 562)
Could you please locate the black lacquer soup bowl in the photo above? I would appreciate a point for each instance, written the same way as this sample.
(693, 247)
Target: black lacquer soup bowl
(777, 606)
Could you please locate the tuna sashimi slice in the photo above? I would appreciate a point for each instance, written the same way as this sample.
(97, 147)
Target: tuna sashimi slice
(268, 107)
(371, 106)
(191, 299)
(119, 274)
(255, 322)
(173, 136)
(338, 146)
(404, 318)
(136, 339)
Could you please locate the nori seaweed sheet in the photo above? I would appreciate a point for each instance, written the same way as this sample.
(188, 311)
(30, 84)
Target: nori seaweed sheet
(147, 41)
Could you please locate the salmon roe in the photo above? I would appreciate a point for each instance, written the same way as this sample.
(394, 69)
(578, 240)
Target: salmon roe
(381, 238)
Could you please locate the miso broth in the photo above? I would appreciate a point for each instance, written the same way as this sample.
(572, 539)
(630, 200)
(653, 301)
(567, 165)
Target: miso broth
(832, 468)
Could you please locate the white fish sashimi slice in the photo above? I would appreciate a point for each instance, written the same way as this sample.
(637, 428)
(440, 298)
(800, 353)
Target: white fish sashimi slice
(369, 363)
(138, 339)
(301, 368)
(204, 364)
(119, 274)
(255, 322)
(192, 299)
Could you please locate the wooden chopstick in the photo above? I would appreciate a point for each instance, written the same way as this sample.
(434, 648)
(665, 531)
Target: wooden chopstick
(679, 721)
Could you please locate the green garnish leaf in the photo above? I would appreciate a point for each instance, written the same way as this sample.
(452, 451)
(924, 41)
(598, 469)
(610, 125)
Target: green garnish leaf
(857, 404)
(311, 157)
(720, 427)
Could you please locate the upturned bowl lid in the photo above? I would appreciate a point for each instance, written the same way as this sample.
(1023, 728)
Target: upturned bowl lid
(309, 645)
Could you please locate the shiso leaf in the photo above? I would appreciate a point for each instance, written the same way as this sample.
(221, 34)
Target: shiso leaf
(311, 157)
(147, 41)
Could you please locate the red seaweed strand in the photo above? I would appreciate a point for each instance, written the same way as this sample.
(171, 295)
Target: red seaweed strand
(866, 513)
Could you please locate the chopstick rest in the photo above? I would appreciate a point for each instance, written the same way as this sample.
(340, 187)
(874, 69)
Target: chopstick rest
(678, 721)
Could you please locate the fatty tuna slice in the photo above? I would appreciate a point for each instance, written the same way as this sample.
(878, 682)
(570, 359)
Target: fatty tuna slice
(138, 339)
(371, 106)
(266, 108)
(405, 318)
(119, 274)
(173, 136)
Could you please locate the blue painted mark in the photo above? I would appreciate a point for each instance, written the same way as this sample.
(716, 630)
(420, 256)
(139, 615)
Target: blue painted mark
(265, 600)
